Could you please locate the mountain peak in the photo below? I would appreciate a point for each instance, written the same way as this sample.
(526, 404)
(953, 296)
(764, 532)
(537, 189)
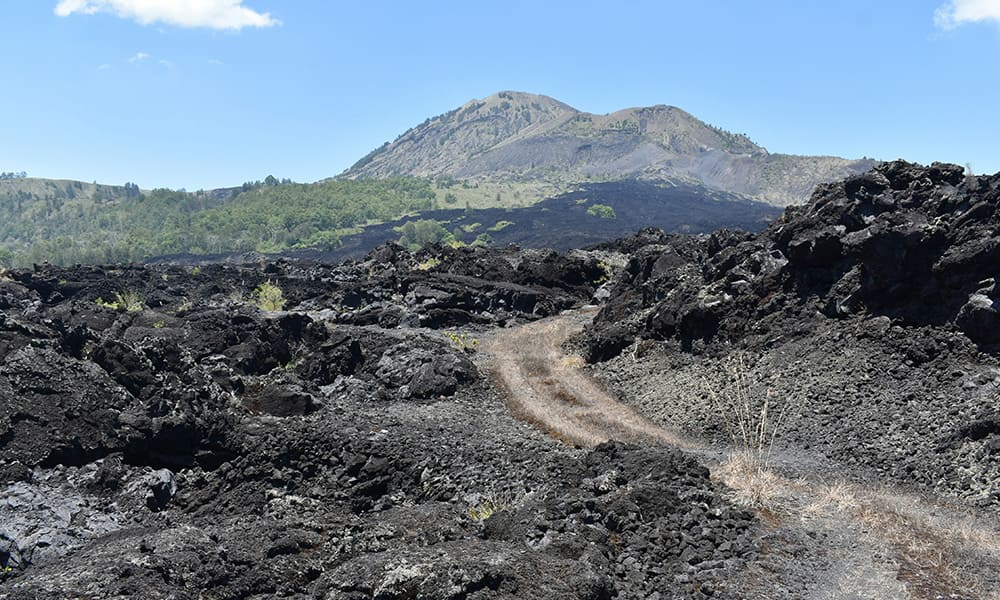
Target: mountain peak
(517, 135)
(514, 98)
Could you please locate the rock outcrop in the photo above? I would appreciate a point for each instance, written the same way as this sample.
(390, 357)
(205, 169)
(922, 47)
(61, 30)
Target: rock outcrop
(872, 310)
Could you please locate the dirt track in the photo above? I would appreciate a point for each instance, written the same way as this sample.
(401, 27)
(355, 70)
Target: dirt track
(823, 539)
(547, 388)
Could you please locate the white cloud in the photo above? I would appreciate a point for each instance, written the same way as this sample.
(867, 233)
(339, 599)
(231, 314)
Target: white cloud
(959, 12)
(166, 64)
(216, 62)
(104, 67)
(138, 57)
(213, 14)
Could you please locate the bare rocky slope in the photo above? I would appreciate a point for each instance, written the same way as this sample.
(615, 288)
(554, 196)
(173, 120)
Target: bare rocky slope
(515, 135)
(870, 313)
(344, 448)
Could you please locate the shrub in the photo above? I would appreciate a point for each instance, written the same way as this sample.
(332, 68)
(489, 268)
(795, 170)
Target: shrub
(127, 301)
(269, 297)
(462, 341)
(602, 210)
(491, 504)
(501, 225)
(417, 234)
(608, 272)
(429, 264)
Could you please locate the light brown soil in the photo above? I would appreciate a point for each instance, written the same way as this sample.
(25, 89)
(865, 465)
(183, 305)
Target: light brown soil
(548, 389)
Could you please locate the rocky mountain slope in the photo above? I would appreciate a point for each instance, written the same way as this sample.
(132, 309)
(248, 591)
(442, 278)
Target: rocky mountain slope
(529, 137)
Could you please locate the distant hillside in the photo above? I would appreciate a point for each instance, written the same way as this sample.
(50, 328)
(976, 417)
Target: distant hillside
(69, 222)
(66, 222)
(590, 214)
(514, 136)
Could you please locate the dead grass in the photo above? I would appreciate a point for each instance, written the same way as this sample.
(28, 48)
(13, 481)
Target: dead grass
(753, 485)
(753, 417)
(940, 552)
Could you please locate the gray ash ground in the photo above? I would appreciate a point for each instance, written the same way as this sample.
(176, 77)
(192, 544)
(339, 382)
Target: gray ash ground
(342, 448)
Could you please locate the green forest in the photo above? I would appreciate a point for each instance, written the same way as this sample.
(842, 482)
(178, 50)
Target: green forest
(73, 222)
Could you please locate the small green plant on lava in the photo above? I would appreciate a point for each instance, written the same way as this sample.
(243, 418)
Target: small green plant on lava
(462, 341)
(602, 210)
(500, 225)
(268, 297)
(489, 505)
(429, 264)
(126, 301)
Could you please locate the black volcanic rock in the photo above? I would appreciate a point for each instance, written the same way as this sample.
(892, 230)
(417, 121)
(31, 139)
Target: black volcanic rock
(909, 242)
(200, 445)
(871, 313)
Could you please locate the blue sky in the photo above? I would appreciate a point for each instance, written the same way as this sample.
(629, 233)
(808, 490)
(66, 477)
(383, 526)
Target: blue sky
(210, 93)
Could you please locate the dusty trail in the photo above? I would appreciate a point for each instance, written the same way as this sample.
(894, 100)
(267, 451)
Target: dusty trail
(824, 539)
(546, 388)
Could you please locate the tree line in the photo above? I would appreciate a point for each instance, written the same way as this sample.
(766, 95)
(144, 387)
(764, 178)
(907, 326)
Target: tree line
(67, 225)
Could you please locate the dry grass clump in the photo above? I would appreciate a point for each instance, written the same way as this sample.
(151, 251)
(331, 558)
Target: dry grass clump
(941, 552)
(753, 484)
(840, 496)
(487, 505)
(753, 417)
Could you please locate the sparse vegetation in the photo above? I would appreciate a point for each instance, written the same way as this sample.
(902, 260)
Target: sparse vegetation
(429, 264)
(462, 341)
(602, 210)
(491, 504)
(500, 225)
(268, 297)
(125, 301)
(606, 275)
(753, 418)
